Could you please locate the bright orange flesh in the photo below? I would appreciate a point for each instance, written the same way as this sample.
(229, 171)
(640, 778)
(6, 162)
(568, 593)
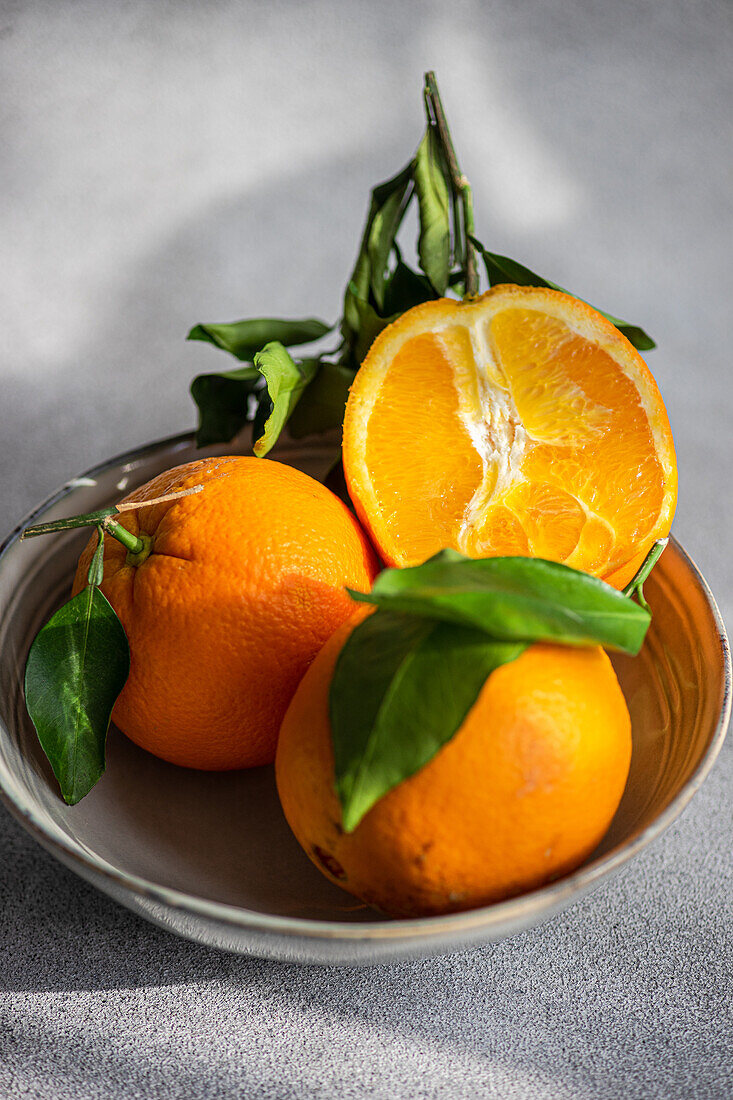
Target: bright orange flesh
(522, 793)
(520, 423)
(244, 584)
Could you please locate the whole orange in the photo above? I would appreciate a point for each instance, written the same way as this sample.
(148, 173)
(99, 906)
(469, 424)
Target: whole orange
(241, 585)
(520, 795)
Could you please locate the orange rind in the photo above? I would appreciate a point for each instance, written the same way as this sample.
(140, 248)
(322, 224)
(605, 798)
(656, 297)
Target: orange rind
(520, 422)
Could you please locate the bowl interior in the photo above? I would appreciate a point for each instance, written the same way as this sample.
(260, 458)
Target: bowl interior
(223, 837)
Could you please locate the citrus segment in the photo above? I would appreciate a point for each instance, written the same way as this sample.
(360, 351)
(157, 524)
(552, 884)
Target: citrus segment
(419, 400)
(520, 423)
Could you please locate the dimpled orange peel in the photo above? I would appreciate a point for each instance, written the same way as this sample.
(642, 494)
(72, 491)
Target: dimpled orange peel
(240, 586)
(520, 795)
(520, 422)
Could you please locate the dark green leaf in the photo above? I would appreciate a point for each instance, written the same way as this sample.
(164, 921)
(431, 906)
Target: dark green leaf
(351, 322)
(286, 381)
(244, 338)
(641, 340)
(369, 327)
(502, 269)
(386, 210)
(261, 415)
(401, 688)
(321, 406)
(405, 289)
(433, 191)
(457, 283)
(223, 403)
(514, 600)
(388, 215)
(76, 668)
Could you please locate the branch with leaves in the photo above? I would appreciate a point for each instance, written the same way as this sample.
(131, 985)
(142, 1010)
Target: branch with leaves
(274, 388)
(80, 659)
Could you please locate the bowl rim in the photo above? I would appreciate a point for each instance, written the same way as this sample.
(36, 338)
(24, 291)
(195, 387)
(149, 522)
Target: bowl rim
(510, 912)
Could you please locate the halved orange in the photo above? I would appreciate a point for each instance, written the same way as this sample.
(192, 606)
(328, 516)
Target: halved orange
(521, 422)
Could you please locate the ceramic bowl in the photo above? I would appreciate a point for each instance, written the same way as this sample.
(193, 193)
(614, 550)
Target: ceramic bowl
(210, 856)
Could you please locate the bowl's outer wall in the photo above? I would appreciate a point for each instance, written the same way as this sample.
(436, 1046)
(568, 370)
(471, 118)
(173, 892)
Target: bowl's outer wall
(210, 856)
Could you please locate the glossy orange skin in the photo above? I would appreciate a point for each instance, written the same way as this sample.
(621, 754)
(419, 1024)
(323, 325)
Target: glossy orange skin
(244, 584)
(521, 795)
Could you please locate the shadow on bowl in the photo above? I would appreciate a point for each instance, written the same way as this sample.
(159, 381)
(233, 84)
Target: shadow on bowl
(210, 856)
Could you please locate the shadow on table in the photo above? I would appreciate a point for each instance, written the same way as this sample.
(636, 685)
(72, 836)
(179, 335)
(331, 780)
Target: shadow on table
(549, 1013)
(275, 249)
(61, 934)
(569, 994)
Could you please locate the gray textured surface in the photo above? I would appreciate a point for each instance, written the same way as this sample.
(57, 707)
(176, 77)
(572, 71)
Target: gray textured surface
(169, 162)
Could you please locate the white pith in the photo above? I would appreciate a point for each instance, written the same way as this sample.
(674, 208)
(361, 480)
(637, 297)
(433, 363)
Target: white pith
(490, 416)
(500, 439)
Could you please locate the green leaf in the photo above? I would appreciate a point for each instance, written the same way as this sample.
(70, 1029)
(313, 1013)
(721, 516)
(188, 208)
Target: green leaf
(76, 668)
(432, 185)
(261, 414)
(457, 283)
(321, 406)
(502, 269)
(514, 600)
(401, 689)
(223, 398)
(408, 675)
(223, 403)
(286, 381)
(405, 289)
(387, 206)
(244, 338)
(391, 202)
(370, 324)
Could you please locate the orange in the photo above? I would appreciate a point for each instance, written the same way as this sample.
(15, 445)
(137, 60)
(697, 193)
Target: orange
(243, 584)
(520, 795)
(521, 422)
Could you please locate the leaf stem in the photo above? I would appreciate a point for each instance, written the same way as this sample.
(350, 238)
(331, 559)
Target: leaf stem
(132, 543)
(89, 519)
(635, 587)
(101, 518)
(646, 566)
(95, 576)
(136, 547)
(459, 182)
